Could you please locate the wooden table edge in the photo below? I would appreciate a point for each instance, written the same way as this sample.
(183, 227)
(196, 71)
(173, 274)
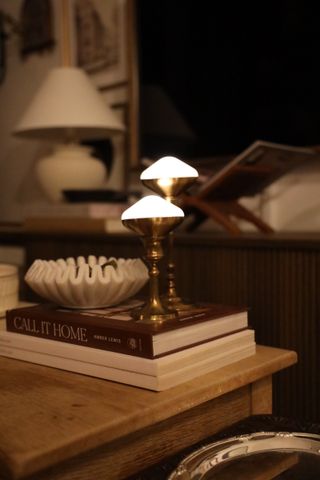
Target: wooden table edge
(22, 465)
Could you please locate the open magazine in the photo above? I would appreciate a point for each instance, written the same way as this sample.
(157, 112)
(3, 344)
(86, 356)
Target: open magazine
(247, 175)
(254, 169)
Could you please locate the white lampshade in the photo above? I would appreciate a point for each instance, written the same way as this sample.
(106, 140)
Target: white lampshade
(169, 167)
(67, 108)
(152, 206)
(67, 105)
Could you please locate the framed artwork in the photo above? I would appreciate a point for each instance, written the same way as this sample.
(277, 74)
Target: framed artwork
(97, 37)
(35, 27)
(99, 32)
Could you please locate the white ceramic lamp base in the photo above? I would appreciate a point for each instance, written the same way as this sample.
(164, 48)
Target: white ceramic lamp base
(70, 167)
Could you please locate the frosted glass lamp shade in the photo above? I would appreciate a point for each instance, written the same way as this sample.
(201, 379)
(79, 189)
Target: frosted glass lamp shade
(152, 206)
(169, 176)
(68, 103)
(169, 167)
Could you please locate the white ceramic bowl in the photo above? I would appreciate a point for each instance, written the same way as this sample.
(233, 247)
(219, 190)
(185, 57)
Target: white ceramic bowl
(87, 283)
(9, 287)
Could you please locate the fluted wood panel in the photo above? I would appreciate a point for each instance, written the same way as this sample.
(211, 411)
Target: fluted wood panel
(277, 278)
(281, 287)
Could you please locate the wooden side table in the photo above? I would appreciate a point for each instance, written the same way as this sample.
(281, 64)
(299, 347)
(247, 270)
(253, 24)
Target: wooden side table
(59, 425)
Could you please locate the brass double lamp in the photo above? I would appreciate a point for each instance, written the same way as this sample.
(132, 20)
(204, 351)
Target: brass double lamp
(153, 218)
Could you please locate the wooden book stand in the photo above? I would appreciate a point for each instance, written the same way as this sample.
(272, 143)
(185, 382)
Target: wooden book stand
(247, 175)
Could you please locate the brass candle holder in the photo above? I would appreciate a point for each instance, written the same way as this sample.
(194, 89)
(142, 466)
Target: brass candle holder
(152, 218)
(169, 177)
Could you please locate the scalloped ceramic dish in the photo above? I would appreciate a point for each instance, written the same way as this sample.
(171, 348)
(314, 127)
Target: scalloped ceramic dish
(87, 283)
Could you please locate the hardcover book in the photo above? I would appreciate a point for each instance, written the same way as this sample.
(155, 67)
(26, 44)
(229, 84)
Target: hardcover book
(156, 374)
(155, 366)
(114, 328)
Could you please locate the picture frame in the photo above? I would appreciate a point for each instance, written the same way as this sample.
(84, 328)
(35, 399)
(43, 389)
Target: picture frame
(98, 30)
(116, 84)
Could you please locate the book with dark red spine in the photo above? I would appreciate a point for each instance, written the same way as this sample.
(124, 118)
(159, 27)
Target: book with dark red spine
(115, 330)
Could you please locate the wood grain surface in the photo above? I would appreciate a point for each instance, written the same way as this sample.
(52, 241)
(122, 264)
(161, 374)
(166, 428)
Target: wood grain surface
(49, 416)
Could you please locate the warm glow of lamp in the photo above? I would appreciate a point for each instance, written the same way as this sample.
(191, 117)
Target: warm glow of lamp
(168, 167)
(152, 206)
(66, 109)
(169, 176)
(153, 218)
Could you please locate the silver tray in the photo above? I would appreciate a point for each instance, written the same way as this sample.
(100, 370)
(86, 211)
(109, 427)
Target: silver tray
(257, 456)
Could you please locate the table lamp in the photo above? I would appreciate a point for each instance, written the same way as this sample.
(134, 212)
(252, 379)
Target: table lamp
(66, 109)
(152, 218)
(162, 127)
(169, 177)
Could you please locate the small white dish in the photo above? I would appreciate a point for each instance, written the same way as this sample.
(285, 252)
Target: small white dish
(87, 283)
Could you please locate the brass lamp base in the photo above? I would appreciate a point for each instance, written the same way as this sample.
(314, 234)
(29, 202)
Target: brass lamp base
(176, 304)
(147, 314)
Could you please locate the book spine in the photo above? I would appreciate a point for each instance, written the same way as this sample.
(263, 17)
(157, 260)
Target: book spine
(104, 338)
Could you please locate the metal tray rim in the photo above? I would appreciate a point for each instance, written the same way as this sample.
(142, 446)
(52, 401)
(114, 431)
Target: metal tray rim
(199, 462)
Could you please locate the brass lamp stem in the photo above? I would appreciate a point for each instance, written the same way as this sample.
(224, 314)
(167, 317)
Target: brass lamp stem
(170, 187)
(171, 298)
(171, 282)
(160, 218)
(153, 310)
(153, 255)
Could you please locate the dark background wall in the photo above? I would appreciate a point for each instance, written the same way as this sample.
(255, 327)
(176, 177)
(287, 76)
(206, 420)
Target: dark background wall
(236, 71)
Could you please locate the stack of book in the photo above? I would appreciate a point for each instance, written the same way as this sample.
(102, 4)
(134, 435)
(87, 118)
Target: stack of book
(109, 344)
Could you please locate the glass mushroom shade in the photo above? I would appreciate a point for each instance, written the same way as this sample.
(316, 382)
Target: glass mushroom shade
(169, 176)
(152, 218)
